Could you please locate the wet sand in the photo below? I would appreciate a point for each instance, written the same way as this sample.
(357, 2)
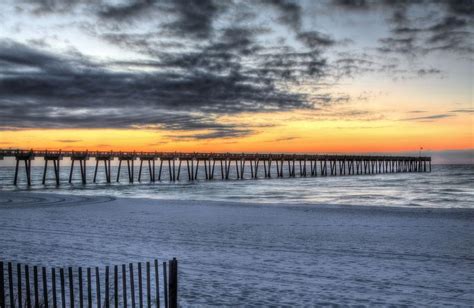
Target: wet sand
(255, 254)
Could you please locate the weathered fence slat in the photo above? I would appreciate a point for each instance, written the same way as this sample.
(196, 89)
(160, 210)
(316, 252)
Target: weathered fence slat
(140, 290)
(27, 283)
(2, 287)
(10, 284)
(97, 283)
(124, 285)
(148, 287)
(19, 287)
(63, 288)
(165, 285)
(89, 288)
(81, 291)
(107, 282)
(45, 287)
(157, 284)
(173, 283)
(71, 288)
(53, 285)
(132, 285)
(116, 297)
(35, 284)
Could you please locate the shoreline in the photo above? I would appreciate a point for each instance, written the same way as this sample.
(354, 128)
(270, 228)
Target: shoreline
(187, 202)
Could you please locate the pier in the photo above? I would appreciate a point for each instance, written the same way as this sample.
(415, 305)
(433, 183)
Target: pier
(225, 166)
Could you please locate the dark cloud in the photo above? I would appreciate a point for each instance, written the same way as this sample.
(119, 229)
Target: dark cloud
(124, 10)
(195, 17)
(352, 4)
(284, 139)
(430, 71)
(416, 29)
(289, 12)
(218, 134)
(460, 7)
(429, 118)
(462, 111)
(48, 6)
(315, 39)
(188, 91)
(68, 140)
(416, 111)
(403, 45)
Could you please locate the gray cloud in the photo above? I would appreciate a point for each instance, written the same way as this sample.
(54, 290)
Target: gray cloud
(462, 111)
(431, 71)
(450, 25)
(284, 139)
(429, 118)
(289, 11)
(68, 140)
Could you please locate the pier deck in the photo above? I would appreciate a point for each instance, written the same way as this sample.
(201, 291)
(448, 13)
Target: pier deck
(284, 165)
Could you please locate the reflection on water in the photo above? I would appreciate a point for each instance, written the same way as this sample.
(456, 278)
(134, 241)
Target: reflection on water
(445, 186)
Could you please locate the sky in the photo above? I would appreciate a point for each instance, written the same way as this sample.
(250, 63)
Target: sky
(329, 76)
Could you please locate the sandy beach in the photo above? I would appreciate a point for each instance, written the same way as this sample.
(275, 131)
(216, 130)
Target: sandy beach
(254, 254)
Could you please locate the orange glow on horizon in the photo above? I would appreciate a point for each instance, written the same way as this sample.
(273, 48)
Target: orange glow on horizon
(295, 132)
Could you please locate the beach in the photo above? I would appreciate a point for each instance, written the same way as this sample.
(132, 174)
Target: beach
(234, 253)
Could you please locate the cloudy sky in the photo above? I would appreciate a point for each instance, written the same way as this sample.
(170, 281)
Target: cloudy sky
(263, 75)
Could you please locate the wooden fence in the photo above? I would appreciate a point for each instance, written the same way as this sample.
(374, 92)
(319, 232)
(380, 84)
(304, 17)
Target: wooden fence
(125, 285)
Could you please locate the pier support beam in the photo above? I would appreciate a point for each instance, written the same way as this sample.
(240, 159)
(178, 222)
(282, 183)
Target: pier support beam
(130, 159)
(151, 168)
(55, 158)
(26, 158)
(106, 160)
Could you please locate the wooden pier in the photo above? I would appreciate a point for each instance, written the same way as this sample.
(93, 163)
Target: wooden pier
(229, 165)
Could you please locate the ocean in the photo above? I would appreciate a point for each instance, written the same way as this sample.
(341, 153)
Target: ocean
(447, 186)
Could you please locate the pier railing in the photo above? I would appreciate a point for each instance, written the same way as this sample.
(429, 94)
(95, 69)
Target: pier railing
(229, 164)
(125, 285)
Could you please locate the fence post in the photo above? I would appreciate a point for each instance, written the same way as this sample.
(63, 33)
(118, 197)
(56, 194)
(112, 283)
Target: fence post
(45, 287)
(63, 288)
(27, 283)
(157, 285)
(97, 285)
(124, 285)
(140, 291)
(10, 284)
(89, 288)
(165, 285)
(81, 291)
(71, 288)
(116, 286)
(173, 283)
(132, 285)
(107, 304)
(18, 278)
(2, 286)
(148, 285)
(35, 285)
(53, 280)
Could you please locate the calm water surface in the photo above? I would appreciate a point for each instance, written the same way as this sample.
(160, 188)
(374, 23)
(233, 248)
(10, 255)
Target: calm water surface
(446, 186)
